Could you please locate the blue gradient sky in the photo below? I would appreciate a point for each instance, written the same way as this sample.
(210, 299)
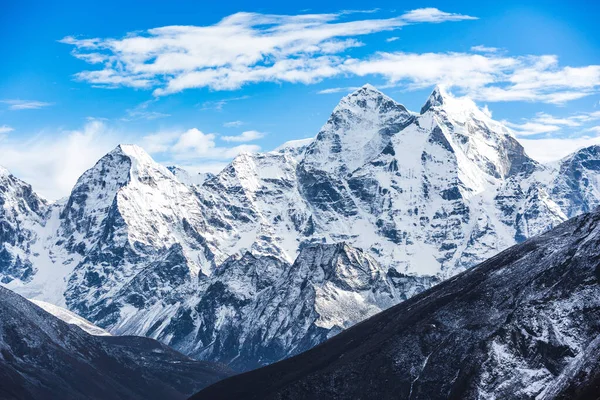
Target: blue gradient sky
(55, 123)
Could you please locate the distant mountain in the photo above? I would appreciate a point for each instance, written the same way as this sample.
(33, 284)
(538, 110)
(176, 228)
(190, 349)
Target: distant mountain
(42, 357)
(524, 324)
(393, 201)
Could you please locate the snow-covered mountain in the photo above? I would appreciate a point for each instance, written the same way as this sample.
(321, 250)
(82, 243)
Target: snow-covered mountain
(71, 318)
(522, 325)
(21, 211)
(281, 250)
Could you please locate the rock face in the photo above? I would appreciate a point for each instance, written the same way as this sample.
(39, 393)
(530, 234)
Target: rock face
(20, 210)
(42, 357)
(524, 324)
(255, 310)
(391, 201)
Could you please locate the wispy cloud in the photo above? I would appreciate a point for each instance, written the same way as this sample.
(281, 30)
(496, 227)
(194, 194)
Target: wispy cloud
(552, 149)
(344, 89)
(548, 138)
(233, 124)
(484, 49)
(5, 129)
(217, 105)
(191, 145)
(53, 161)
(246, 48)
(484, 77)
(546, 123)
(25, 104)
(142, 112)
(247, 136)
(595, 129)
(240, 49)
(433, 15)
(392, 39)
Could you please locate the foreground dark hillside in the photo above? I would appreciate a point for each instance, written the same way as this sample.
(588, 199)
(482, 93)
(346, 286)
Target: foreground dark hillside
(524, 324)
(42, 357)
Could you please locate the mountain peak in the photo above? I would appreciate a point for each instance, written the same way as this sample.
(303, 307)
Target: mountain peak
(4, 171)
(438, 97)
(368, 98)
(367, 90)
(132, 151)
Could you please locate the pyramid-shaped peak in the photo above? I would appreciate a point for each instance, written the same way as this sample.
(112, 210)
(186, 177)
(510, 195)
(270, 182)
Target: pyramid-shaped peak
(438, 97)
(135, 154)
(4, 171)
(366, 90)
(132, 150)
(369, 98)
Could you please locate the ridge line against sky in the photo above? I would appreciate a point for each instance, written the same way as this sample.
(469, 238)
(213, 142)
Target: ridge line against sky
(198, 91)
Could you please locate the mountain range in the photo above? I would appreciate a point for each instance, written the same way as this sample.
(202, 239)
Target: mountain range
(524, 324)
(282, 250)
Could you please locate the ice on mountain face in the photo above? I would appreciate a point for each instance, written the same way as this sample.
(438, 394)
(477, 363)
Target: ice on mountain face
(254, 310)
(22, 212)
(188, 178)
(71, 318)
(576, 187)
(126, 214)
(142, 249)
(521, 325)
(357, 130)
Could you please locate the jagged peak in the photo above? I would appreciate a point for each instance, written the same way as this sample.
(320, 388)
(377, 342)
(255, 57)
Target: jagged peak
(132, 151)
(584, 152)
(4, 172)
(438, 97)
(366, 97)
(140, 160)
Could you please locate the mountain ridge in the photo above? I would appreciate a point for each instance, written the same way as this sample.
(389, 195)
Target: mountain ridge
(523, 324)
(44, 357)
(138, 250)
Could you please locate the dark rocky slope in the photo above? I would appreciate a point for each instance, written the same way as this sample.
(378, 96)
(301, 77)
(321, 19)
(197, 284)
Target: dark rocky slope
(42, 357)
(524, 324)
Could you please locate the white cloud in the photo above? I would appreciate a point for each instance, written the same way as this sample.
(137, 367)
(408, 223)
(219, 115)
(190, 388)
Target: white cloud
(52, 162)
(5, 129)
(141, 111)
(392, 39)
(433, 15)
(484, 49)
(552, 149)
(532, 128)
(192, 145)
(549, 119)
(484, 77)
(595, 129)
(246, 136)
(560, 136)
(233, 124)
(217, 105)
(25, 104)
(247, 48)
(240, 49)
(345, 89)
(546, 123)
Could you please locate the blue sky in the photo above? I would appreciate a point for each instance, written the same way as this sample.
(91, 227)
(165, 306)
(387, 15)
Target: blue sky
(196, 82)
